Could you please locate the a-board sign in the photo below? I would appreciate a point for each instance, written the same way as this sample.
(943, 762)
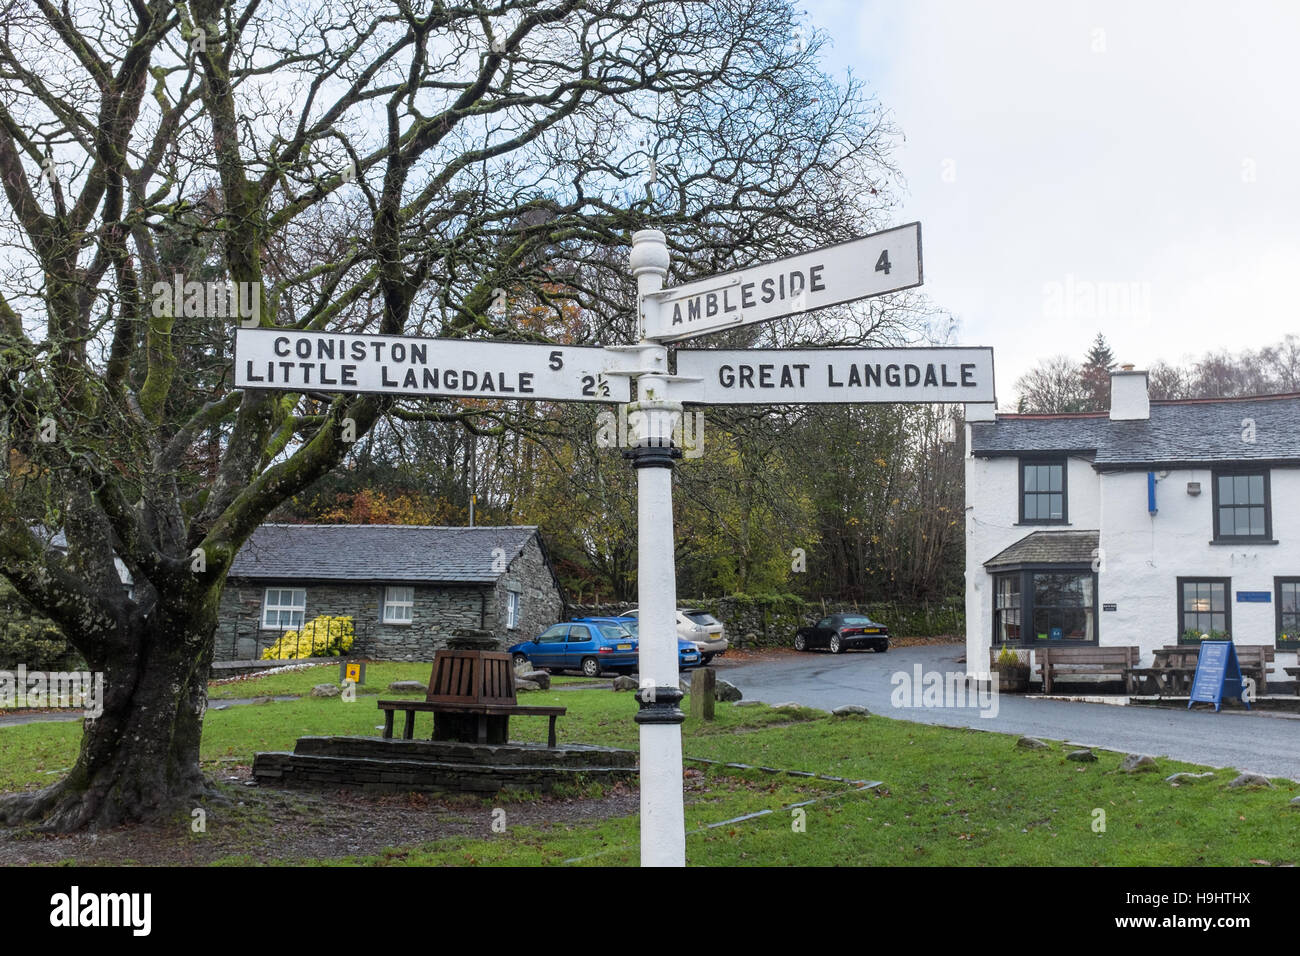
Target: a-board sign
(1218, 675)
(407, 365)
(871, 265)
(796, 376)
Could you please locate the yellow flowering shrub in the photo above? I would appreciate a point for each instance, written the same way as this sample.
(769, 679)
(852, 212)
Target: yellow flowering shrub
(322, 636)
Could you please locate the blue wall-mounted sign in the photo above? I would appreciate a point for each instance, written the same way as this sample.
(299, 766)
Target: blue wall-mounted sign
(1256, 597)
(1151, 493)
(1218, 675)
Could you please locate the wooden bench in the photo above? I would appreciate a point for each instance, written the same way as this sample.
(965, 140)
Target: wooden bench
(472, 698)
(1103, 661)
(1179, 661)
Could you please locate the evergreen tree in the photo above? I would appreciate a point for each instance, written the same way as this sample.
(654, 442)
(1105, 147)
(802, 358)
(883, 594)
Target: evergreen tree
(1097, 365)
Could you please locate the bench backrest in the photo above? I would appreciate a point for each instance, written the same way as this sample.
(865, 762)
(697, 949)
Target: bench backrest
(1124, 656)
(1252, 654)
(472, 677)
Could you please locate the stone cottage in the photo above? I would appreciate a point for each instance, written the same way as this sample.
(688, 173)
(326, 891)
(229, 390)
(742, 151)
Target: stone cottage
(408, 588)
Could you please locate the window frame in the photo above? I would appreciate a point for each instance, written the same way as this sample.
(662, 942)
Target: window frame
(1278, 582)
(1267, 536)
(266, 606)
(1227, 605)
(385, 603)
(1028, 607)
(514, 610)
(1063, 461)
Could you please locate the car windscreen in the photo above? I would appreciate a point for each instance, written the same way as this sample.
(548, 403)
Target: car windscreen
(857, 619)
(614, 632)
(702, 617)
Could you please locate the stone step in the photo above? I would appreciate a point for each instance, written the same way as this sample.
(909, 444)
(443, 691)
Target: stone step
(392, 775)
(453, 752)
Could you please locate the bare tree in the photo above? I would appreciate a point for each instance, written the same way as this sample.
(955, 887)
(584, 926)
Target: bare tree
(1053, 386)
(362, 166)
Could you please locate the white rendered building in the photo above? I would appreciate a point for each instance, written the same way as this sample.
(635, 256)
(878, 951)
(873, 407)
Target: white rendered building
(1146, 525)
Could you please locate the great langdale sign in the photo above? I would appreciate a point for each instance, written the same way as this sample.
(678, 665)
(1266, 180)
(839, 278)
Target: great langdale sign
(405, 365)
(821, 376)
(871, 265)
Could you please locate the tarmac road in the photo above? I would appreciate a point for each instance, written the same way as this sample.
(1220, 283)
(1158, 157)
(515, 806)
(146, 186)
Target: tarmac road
(1267, 744)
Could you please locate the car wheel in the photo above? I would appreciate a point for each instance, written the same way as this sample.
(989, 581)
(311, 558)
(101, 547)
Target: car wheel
(881, 648)
(520, 660)
(590, 667)
(835, 645)
(705, 659)
(800, 642)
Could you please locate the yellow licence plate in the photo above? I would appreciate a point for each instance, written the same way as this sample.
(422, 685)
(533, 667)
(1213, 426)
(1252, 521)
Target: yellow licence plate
(625, 647)
(871, 630)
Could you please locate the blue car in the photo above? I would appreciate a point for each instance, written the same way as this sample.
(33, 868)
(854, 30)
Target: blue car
(688, 655)
(591, 646)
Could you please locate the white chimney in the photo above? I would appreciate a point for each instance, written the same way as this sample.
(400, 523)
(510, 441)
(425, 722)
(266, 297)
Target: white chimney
(1129, 400)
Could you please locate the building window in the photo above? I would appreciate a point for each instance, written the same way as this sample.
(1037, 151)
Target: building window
(1064, 606)
(1045, 604)
(1043, 491)
(283, 609)
(1006, 609)
(1241, 506)
(1288, 612)
(399, 602)
(1203, 609)
(512, 610)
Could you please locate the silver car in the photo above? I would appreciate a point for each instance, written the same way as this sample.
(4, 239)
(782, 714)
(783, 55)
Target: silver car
(701, 628)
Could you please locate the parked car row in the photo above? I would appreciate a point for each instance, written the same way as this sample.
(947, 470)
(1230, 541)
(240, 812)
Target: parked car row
(595, 645)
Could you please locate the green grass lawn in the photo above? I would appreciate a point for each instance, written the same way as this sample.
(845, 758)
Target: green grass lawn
(962, 797)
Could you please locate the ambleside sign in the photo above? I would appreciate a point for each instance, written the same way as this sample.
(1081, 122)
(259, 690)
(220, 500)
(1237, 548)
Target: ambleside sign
(857, 269)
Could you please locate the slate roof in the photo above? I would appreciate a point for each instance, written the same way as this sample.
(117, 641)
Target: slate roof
(379, 553)
(1049, 547)
(1191, 431)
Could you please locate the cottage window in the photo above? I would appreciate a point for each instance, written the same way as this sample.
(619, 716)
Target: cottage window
(1064, 606)
(1203, 609)
(1043, 491)
(399, 604)
(1241, 506)
(1288, 613)
(1006, 610)
(283, 608)
(512, 610)
(1046, 603)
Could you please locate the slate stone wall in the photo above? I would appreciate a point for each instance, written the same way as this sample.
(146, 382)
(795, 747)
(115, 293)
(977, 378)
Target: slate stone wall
(541, 603)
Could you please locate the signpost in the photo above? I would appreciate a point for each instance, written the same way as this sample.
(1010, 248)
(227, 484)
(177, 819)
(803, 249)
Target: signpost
(406, 365)
(871, 265)
(1218, 675)
(776, 376)
(886, 261)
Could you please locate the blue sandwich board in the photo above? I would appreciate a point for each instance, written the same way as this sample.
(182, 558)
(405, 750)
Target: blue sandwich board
(1218, 675)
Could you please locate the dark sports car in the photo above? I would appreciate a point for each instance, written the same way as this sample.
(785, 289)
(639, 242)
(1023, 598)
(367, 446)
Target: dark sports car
(842, 631)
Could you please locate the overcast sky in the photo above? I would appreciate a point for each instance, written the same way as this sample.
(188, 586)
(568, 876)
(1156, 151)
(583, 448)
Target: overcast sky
(1130, 168)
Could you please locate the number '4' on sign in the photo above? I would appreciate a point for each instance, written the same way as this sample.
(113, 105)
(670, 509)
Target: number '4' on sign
(882, 264)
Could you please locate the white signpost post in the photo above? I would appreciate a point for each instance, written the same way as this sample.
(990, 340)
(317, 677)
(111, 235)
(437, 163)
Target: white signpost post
(872, 265)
